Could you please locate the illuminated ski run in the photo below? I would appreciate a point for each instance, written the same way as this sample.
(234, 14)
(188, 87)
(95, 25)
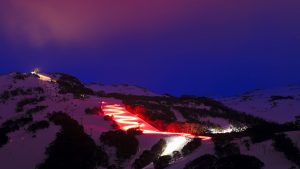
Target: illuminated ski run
(127, 120)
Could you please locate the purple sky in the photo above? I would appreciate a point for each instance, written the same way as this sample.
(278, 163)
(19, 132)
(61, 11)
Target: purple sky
(198, 47)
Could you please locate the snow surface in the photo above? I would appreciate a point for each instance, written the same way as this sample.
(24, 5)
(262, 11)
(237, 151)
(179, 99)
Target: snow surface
(259, 103)
(224, 123)
(265, 152)
(25, 152)
(178, 115)
(23, 144)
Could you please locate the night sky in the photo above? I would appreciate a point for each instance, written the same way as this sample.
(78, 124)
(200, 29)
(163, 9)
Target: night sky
(199, 47)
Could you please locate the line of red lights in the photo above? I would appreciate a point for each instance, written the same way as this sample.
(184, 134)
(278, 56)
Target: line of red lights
(127, 120)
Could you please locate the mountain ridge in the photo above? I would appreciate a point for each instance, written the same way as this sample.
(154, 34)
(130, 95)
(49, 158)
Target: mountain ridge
(29, 103)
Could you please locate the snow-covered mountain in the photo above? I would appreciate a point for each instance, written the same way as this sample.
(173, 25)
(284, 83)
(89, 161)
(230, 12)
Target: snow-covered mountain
(276, 104)
(121, 88)
(55, 121)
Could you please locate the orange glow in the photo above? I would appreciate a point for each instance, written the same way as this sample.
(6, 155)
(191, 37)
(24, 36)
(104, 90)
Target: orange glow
(126, 120)
(43, 77)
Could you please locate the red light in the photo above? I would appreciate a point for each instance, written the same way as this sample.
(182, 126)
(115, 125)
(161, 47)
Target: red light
(127, 120)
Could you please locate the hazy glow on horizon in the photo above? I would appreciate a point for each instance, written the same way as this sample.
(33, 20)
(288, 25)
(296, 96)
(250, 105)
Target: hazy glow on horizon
(66, 21)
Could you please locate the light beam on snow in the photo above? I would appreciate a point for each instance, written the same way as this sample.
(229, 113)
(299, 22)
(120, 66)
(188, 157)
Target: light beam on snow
(175, 143)
(127, 120)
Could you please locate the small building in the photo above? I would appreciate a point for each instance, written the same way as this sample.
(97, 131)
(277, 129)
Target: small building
(42, 77)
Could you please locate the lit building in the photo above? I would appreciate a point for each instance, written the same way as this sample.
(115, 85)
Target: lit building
(41, 76)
